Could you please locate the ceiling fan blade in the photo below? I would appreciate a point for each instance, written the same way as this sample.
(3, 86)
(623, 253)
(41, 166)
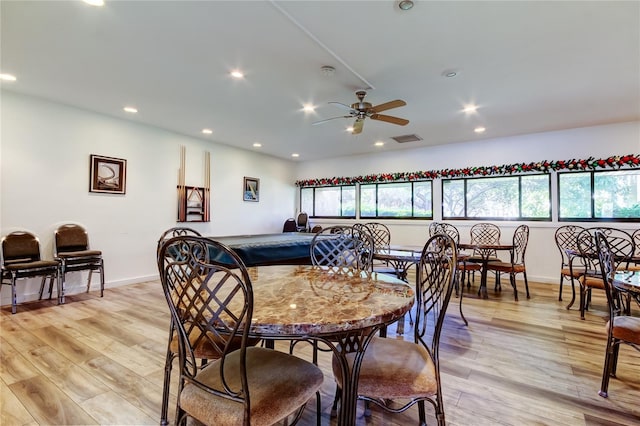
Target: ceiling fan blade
(388, 105)
(357, 126)
(390, 119)
(329, 119)
(343, 106)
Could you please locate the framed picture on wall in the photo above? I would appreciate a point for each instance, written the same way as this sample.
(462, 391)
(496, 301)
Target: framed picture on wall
(251, 189)
(107, 174)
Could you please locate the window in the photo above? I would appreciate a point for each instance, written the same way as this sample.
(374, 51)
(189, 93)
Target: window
(396, 200)
(525, 197)
(599, 195)
(329, 201)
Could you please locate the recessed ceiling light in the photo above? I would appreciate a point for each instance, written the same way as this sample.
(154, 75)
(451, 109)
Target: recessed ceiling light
(207, 131)
(379, 143)
(449, 73)
(308, 108)
(94, 2)
(7, 77)
(295, 155)
(479, 129)
(405, 4)
(237, 74)
(469, 109)
(132, 110)
(257, 145)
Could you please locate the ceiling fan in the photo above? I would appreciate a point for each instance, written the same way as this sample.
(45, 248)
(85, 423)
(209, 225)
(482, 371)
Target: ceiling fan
(361, 110)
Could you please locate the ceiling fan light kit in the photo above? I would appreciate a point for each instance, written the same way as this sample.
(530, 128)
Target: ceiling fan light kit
(361, 110)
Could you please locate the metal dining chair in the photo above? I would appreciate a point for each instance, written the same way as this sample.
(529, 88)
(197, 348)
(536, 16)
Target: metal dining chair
(210, 297)
(71, 248)
(395, 370)
(483, 233)
(566, 238)
(621, 329)
(516, 264)
(622, 246)
(21, 258)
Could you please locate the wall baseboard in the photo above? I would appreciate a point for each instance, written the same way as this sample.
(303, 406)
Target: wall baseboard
(5, 300)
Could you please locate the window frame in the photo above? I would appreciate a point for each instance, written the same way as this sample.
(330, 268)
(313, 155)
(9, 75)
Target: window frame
(592, 174)
(549, 218)
(377, 185)
(313, 213)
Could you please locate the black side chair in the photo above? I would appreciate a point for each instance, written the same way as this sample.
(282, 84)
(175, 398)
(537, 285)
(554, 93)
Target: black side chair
(21, 258)
(302, 222)
(71, 248)
(210, 296)
(290, 225)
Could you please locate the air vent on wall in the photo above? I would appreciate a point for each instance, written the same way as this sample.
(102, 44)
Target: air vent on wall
(406, 138)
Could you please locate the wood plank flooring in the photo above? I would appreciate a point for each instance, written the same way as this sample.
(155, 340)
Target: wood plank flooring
(100, 361)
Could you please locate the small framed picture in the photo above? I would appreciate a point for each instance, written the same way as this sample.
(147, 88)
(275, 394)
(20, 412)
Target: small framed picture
(251, 189)
(107, 174)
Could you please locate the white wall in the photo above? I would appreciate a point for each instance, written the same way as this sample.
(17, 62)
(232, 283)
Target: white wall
(543, 258)
(45, 150)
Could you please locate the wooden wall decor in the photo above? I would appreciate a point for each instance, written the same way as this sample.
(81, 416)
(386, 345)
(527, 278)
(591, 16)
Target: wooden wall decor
(193, 201)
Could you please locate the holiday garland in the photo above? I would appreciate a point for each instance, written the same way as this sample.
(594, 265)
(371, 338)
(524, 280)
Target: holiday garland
(613, 162)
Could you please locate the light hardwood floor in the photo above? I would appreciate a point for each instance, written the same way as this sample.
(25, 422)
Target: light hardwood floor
(100, 361)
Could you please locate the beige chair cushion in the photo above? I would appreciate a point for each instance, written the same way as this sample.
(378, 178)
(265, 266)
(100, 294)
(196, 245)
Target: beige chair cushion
(469, 266)
(626, 328)
(591, 282)
(279, 384)
(393, 369)
(505, 267)
(577, 272)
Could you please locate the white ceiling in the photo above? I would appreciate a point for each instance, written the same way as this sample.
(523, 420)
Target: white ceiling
(530, 66)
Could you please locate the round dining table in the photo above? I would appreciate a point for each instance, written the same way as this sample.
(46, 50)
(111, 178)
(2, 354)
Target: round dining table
(343, 308)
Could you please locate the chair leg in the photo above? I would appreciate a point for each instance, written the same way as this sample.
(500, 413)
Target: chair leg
(526, 284)
(561, 285)
(512, 278)
(101, 278)
(14, 301)
(582, 302)
(421, 414)
(61, 280)
(51, 287)
(89, 280)
(614, 360)
(336, 400)
(606, 371)
(44, 280)
(164, 416)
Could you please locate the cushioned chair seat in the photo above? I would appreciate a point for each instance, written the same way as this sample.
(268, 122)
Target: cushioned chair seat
(592, 282)
(36, 265)
(505, 267)
(81, 253)
(279, 384)
(469, 266)
(407, 370)
(577, 272)
(626, 328)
